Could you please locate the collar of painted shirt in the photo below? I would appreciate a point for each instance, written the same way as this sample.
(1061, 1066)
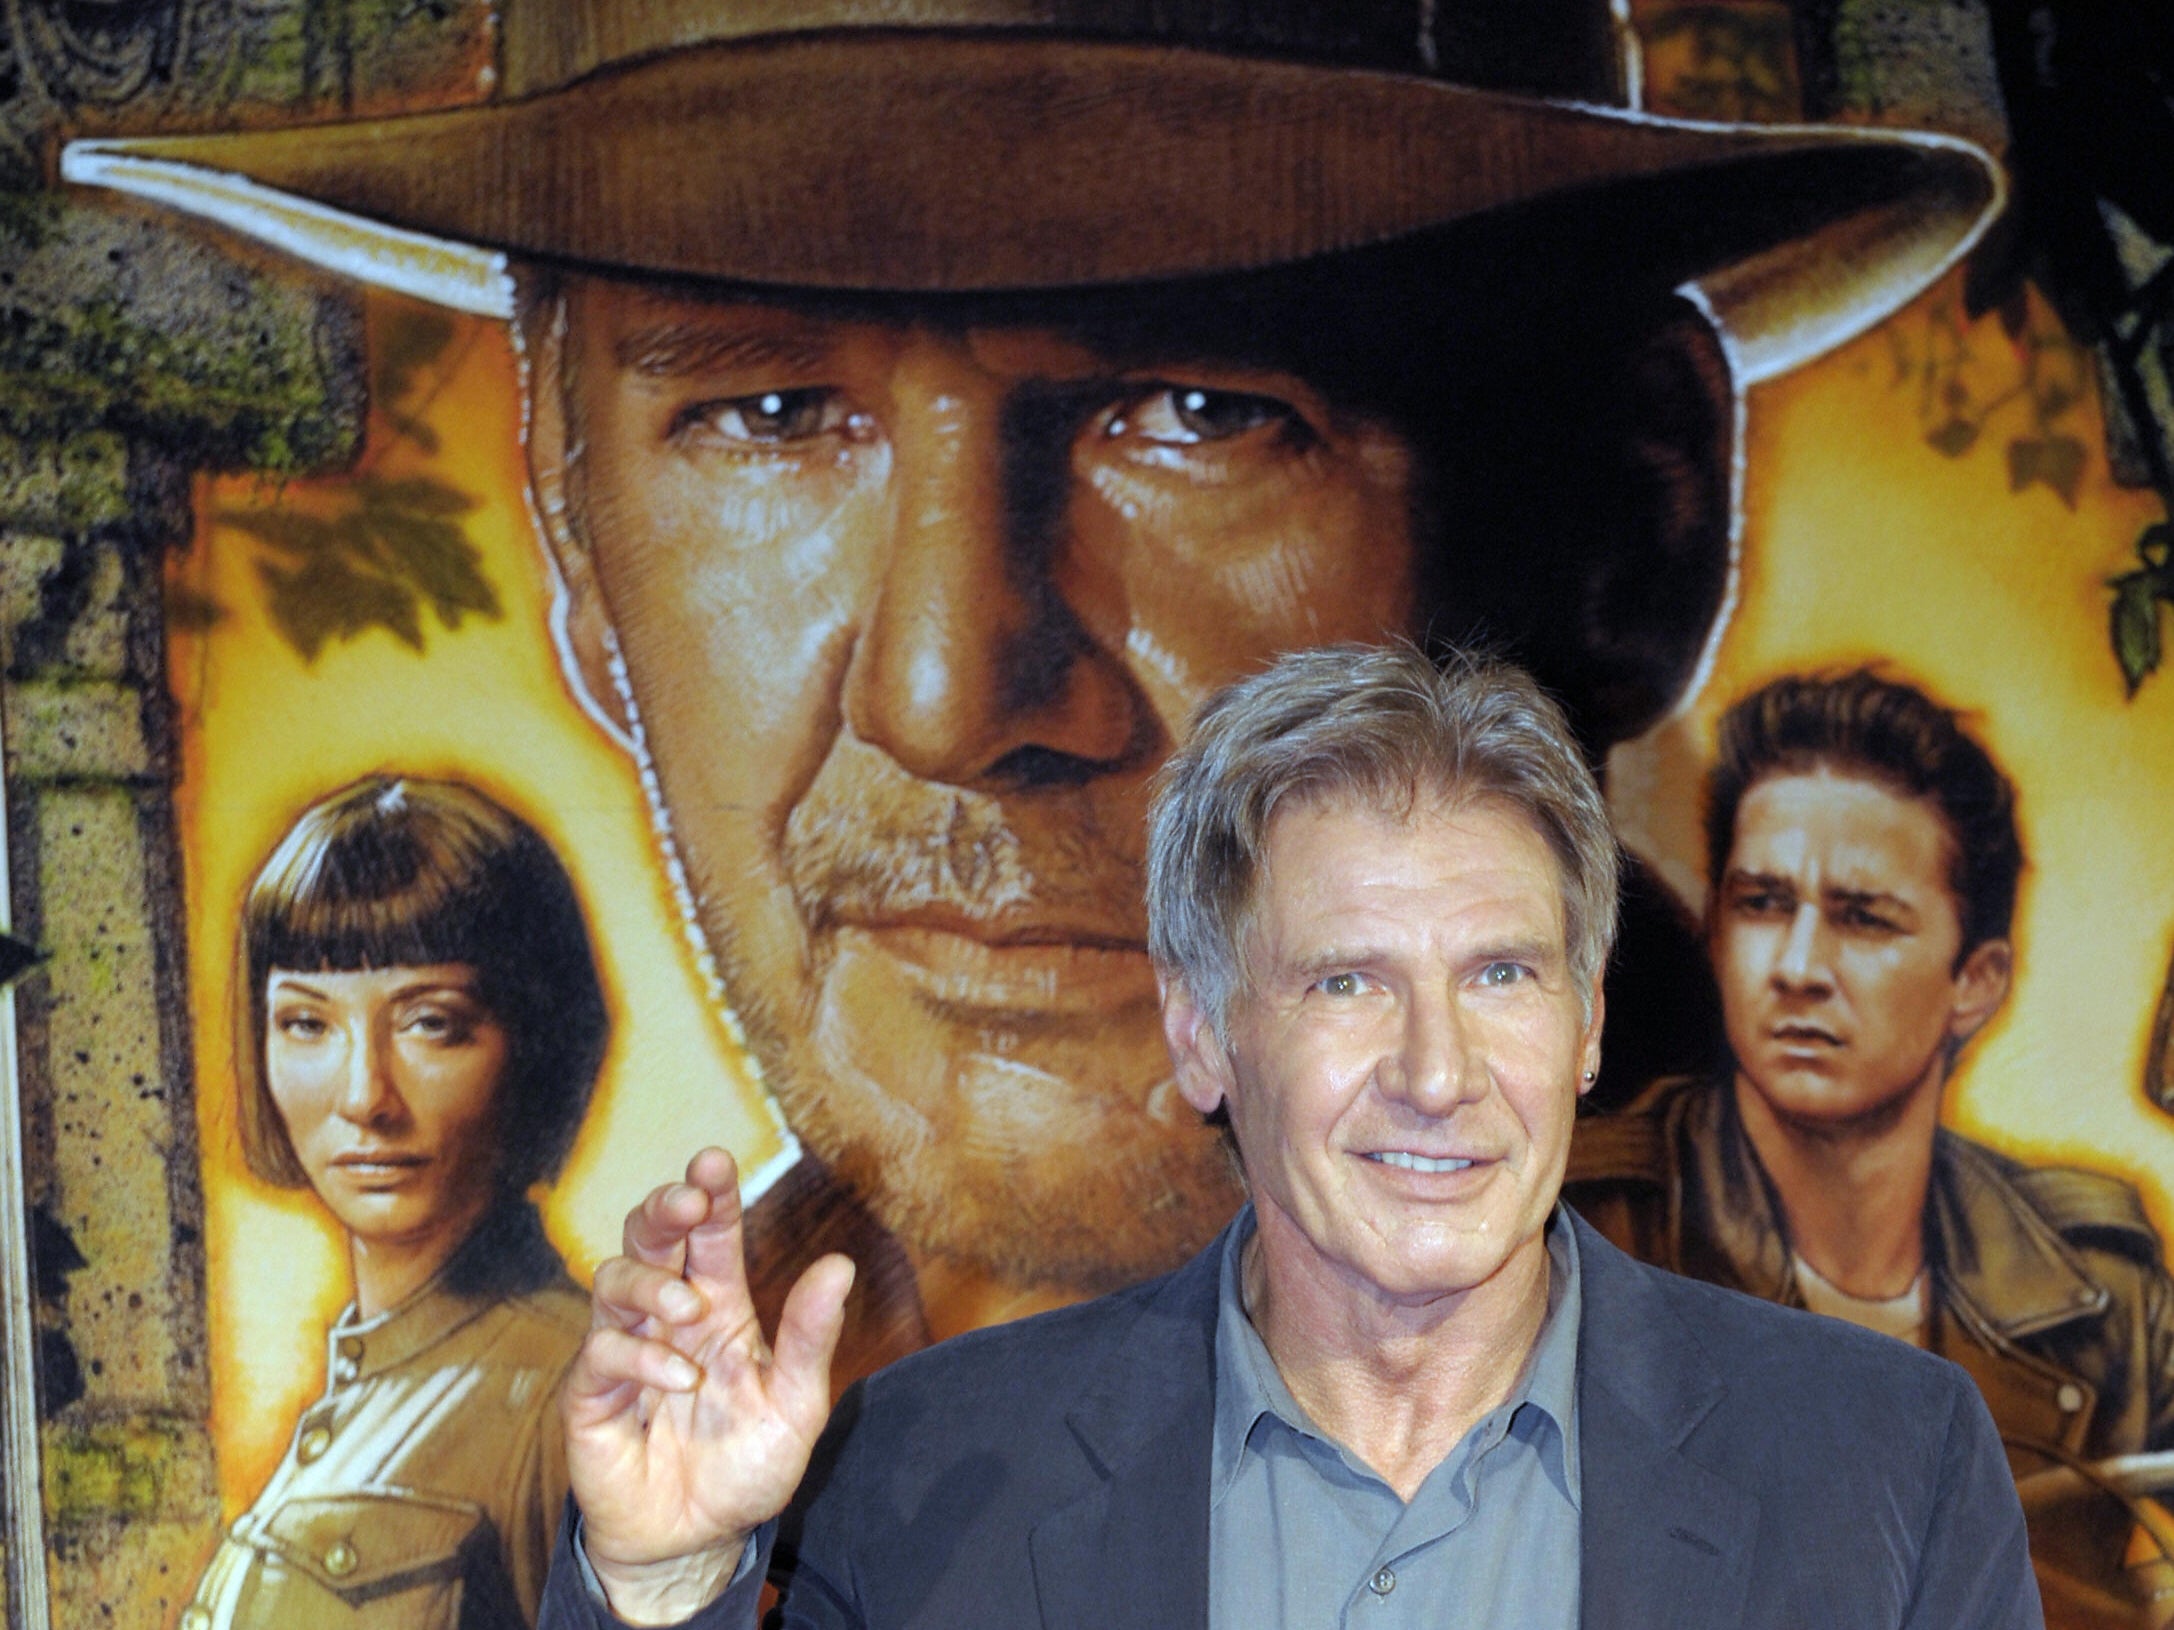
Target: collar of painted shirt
(1248, 1385)
(506, 1255)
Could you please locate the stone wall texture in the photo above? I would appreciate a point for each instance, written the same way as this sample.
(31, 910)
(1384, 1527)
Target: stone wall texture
(134, 352)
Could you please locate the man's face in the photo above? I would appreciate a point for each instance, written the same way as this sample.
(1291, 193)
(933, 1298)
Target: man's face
(911, 614)
(1834, 937)
(1403, 1066)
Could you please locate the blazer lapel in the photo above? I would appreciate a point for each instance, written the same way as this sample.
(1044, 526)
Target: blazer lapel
(1132, 1549)
(1663, 1540)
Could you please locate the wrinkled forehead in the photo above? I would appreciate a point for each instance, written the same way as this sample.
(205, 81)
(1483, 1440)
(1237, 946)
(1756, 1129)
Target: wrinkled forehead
(650, 323)
(1412, 809)
(1372, 328)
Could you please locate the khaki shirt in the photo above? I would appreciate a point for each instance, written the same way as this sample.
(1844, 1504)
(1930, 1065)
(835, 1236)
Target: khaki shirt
(423, 1490)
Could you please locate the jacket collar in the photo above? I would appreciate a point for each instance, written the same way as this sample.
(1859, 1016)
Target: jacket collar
(1664, 1541)
(1989, 1249)
(1997, 1255)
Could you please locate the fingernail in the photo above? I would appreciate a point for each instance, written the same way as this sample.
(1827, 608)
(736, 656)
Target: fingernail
(680, 1302)
(681, 1374)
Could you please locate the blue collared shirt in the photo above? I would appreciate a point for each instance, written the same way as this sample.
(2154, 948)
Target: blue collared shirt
(1303, 1533)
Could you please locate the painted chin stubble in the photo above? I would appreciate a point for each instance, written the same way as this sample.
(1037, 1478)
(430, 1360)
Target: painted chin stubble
(996, 1087)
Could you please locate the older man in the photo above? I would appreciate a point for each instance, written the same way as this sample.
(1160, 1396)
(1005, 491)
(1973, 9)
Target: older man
(931, 403)
(1405, 1386)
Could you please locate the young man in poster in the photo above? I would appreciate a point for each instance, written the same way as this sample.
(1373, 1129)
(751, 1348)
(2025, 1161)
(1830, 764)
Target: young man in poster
(924, 418)
(1863, 864)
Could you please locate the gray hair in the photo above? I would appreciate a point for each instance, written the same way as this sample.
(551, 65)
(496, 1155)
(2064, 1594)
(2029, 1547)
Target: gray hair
(1379, 724)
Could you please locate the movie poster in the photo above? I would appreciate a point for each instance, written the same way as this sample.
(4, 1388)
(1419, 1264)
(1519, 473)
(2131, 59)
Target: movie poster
(488, 716)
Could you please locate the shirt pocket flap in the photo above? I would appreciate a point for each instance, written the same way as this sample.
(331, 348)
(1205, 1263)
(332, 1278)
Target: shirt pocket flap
(373, 1542)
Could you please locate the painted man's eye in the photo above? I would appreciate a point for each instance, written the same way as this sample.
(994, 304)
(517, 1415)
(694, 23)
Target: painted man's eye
(1187, 415)
(770, 418)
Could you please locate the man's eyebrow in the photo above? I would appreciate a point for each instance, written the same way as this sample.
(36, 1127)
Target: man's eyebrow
(1741, 877)
(1836, 894)
(1539, 952)
(674, 350)
(1334, 959)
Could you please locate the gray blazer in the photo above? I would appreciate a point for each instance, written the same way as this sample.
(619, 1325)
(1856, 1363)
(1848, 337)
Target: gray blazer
(1744, 1465)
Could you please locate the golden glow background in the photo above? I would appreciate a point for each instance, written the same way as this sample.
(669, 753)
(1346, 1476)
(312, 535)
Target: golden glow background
(266, 734)
(1860, 542)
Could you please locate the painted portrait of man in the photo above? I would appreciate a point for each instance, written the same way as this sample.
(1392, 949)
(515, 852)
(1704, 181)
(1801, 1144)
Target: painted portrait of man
(1864, 866)
(925, 410)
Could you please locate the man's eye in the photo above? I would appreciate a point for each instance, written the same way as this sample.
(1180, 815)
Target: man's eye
(1187, 415)
(770, 418)
(1864, 920)
(1497, 974)
(1340, 984)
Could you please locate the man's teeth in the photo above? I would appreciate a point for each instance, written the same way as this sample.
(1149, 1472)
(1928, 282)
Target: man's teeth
(1419, 1163)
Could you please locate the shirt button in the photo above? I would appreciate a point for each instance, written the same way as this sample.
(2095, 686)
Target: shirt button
(351, 1347)
(340, 1559)
(1383, 1582)
(314, 1443)
(2070, 1397)
(196, 1618)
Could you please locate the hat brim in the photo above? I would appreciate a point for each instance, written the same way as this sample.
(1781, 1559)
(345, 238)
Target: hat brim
(921, 162)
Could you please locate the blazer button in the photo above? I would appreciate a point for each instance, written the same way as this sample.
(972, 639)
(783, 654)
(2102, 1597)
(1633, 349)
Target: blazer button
(196, 1618)
(314, 1443)
(340, 1559)
(2070, 1397)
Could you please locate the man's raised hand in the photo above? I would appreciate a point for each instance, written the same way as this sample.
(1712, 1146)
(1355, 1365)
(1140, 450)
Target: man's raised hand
(685, 1430)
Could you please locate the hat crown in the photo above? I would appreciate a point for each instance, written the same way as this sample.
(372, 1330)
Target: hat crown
(1572, 49)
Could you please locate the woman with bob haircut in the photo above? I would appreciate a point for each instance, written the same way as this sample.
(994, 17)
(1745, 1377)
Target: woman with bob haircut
(419, 1025)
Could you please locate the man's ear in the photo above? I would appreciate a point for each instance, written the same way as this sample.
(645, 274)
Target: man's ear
(1197, 1054)
(580, 622)
(1981, 985)
(1589, 1048)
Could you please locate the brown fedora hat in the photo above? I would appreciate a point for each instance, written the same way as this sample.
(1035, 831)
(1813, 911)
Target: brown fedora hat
(962, 145)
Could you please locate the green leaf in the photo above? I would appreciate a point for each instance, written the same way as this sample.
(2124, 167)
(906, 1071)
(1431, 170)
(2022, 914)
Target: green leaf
(287, 529)
(1953, 438)
(410, 342)
(2135, 627)
(2046, 461)
(2156, 544)
(419, 495)
(191, 610)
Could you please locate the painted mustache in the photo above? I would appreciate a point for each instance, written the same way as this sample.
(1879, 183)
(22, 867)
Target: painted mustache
(869, 844)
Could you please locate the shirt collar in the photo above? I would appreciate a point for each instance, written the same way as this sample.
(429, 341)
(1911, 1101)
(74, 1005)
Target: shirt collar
(506, 1255)
(1248, 1385)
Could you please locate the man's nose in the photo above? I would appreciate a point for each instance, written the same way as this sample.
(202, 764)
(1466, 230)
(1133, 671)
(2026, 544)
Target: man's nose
(1801, 963)
(1437, 1063)
(972, 663)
